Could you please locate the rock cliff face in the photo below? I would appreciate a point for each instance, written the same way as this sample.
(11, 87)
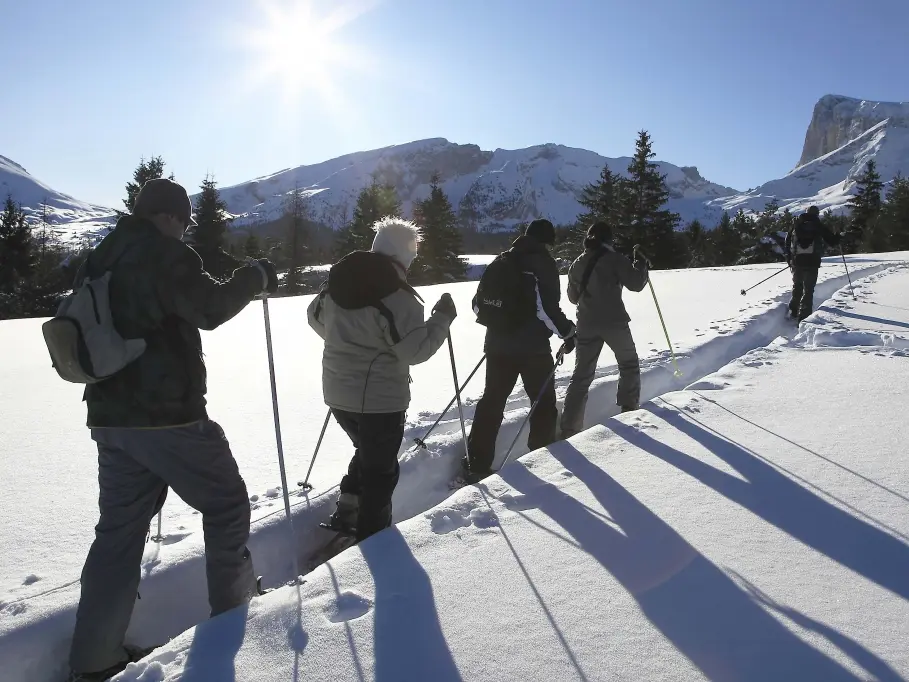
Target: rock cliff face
(838, 120)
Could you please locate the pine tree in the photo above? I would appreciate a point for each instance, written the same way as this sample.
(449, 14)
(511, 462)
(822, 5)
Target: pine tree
(147, 170)
(602, 201)
(744, 228)
(895, 214)
(17, 258)
(251, 246)
(295, 210)
(697, 243)
(643, 217)
(374, 203)
(211, 216)
(439, 258)
(727, 242)
(866, 208)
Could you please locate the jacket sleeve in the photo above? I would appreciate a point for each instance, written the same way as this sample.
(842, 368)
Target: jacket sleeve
(548, 294)
(633, 277)
(575, 272)
(419, 338)
(187, 291)
(829, 236)
(315, 313)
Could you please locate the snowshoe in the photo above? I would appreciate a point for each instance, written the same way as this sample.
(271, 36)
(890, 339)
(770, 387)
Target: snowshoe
(135, 654)
(337, 544)
(344, 520)
(630, 408)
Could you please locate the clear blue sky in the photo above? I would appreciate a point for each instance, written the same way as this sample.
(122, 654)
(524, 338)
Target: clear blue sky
(726, 85)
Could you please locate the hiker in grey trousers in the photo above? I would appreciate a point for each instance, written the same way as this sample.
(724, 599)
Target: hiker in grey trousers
(151, 426)
(595, 283)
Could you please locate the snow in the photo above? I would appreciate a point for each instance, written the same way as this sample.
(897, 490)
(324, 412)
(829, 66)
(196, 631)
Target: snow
(749, 527)
(48, 470)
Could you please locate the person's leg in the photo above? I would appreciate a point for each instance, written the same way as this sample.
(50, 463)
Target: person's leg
(380, 438)
(128, 499)
(628, 395)
(797, 291)
(809, 281)
(501, 377)
(586, 356)
(536, 373)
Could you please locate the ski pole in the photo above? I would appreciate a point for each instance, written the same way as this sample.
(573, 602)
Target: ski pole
(158, 537)
(677, 372)
(421, 442)
(848, 276)
(454, 374)
(745, 291)
(274, 403)
(305, 484)
(560, 357)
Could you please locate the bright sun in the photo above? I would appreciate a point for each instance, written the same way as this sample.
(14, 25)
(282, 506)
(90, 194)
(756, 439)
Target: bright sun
(298, 48)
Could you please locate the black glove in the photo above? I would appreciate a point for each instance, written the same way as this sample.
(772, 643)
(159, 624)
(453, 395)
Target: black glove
(569, 344)
(271, 275)
(446, 306)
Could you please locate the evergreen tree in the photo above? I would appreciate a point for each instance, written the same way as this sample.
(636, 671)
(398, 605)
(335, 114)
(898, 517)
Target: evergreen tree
(374, 203)
(251, 246)
(727, 242)
(743, 227)
(895, 215)
(643, 217)
(439, 258)
(211, 216)
(17, 258)
(602, 201)
(866, 205)
(147, 170)
(697, 244)
(295, 210)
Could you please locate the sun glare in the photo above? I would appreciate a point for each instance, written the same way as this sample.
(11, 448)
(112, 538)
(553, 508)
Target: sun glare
(298, 50)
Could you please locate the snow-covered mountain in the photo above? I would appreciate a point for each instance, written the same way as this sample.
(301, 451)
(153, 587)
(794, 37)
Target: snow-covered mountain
(69, 217)
(491, 189)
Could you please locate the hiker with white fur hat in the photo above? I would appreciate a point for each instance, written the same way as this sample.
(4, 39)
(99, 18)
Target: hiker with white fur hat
(374, 329)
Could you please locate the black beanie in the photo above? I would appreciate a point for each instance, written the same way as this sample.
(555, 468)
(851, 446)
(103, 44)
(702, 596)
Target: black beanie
(541, 230)
(598, 233)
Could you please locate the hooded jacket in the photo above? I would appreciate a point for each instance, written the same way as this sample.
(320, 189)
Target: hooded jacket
(600, 305)
(533, 337)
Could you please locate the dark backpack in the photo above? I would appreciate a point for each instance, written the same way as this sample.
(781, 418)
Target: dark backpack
(505, 297)
(361, 279)
(806, 238)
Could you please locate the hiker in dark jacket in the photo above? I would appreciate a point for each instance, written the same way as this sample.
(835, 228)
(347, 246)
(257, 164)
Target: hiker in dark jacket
(369, 350)
(595, 283)
(524, 352)
(804, 251)
(151, 425)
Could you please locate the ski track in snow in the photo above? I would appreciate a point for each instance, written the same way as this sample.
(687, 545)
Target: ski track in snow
(425, 474)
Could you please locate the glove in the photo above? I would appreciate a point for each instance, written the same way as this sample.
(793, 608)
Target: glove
(638, 254)
(569, 341)
(446, 306)
(269, 275)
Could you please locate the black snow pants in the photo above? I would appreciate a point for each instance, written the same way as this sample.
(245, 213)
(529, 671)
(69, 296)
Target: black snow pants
(502, 372)
(374, 470)
(804, 279)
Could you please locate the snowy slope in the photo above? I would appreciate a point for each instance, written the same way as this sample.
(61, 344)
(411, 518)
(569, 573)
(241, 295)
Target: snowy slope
(751, 527)
(492, 189)
(67, 216)
(52, 499)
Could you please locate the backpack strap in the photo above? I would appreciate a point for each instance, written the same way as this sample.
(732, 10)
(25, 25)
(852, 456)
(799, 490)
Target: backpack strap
(588, 271)
(385, 312)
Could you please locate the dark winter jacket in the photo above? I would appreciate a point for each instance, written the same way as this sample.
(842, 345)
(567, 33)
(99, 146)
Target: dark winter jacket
(159, 292)
(805, 242)
(600, 304)
(533, 338)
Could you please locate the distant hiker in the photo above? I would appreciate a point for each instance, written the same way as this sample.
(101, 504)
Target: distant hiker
(595, 283)
(804, 250)
(374, 329)
(151, 425)
(517, 301)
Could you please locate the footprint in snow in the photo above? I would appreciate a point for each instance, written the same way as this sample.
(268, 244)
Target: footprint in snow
(517, 502)
(484, 518)
(447, 520)
(346, 607)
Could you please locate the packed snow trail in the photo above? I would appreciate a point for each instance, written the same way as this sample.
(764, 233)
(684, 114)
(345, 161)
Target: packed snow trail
(751, 527)
(41, 577)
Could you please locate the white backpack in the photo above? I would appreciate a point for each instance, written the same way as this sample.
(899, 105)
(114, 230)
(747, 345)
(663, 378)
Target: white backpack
(84, 345)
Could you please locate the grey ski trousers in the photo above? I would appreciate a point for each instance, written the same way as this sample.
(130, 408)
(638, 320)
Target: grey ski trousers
(135, 468)
(586, 356)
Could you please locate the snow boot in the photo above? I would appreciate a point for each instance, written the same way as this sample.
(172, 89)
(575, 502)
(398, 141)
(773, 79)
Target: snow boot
(135, 654)
(344, 520)
(470, 477)
(630, 408)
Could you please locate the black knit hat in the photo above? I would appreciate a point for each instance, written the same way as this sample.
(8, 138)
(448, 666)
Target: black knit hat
(164, 196)
(598, 233)
(541, 230)
(813, 211)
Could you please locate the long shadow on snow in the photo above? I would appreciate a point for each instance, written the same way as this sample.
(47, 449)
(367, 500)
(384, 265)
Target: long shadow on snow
(696, 606)
(215, 646)
(409, 643)
(866, 318)
(779, 500)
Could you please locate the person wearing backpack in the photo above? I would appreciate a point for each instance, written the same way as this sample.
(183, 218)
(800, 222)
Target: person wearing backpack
(517, 301)
(149, 418)
(374, 329)
(804, 251)
(595, 283)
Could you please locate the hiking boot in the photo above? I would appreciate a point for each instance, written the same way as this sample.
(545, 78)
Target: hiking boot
(631, 408)
(133, 652)
(345, 517)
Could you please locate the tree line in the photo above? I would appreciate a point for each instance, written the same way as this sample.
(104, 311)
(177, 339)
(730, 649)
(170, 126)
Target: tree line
(37, 268)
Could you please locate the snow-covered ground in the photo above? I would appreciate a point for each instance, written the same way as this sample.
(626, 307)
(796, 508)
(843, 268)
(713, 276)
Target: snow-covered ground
(592, 626)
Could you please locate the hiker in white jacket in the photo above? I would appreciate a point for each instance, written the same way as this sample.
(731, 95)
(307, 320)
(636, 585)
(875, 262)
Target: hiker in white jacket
(374, 329)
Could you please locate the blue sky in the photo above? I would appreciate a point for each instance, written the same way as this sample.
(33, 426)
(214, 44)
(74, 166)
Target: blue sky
(726, 85)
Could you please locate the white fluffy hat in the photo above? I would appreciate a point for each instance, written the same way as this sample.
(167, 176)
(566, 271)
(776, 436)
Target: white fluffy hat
(397, 238)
